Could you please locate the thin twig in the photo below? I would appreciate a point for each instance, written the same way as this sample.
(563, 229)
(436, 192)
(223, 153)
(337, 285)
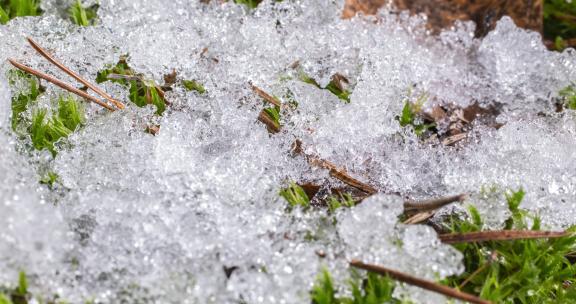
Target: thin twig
(73, 74)
(267, 97)
(498, 235)
(59, 83)
(425, 284)
(341, 174)
(432, 203)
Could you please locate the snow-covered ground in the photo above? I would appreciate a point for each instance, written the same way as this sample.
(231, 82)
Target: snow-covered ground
(158, 218)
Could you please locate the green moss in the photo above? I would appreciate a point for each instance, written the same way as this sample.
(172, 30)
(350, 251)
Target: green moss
(345, 200)
(408, 117)
(10, 9)
(295, 196)
(568, 95)
(83, 16)
(193, 85)
(519, 271)
(369, 289)
(46, 131)
(50, 179)
(142, 92)
(29, 91)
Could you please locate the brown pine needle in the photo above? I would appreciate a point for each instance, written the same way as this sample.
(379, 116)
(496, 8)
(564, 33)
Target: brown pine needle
(341, 174)
(74, 75)
(59, 83)
(267, 97)
(425, 284)
(432, 204)
(498, 235)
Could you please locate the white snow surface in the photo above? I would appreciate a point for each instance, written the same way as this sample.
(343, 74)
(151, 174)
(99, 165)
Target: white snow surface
(156, 219)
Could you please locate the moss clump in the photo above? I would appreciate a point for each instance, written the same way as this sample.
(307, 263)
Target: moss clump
(295, 196)
(142, 92)
(46, 131)
(193, 85)
(371, 289)
(10, 9)
(519, 271)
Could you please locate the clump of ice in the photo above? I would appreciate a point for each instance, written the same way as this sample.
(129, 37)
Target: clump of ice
(192, 215)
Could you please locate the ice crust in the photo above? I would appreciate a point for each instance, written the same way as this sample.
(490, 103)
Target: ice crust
(158, 219)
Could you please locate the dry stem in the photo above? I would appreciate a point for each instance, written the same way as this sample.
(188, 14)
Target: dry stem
(498, 235)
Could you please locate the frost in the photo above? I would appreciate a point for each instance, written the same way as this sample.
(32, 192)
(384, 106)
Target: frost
(193, 215)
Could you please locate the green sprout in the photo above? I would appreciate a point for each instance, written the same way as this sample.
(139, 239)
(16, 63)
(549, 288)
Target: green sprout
(83, 16)
(343, 200)
(323, 291)
(334, 87)
(274, 114)
(46, 131)
(568, 95)
(50, 179)
(519, 271)
(193, 85)
(22, 284)
(370, 289)
(10, 9)
(295, 196)
(409, 116)
(142, 92)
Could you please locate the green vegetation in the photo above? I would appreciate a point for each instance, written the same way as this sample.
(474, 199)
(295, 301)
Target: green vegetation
(50, 179)
(18, 295)
(142, 92)
(193, 85)
(342, 200)
(519, 271)
(251, 4)
(295, 196)
(274, 115)
(560, 22)
(335, 86)
(83, 16)
(29, 90)
(409, 114)
(44, 132)
(44, 129)
(568, 95)
(372, 289)
(10, 9)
